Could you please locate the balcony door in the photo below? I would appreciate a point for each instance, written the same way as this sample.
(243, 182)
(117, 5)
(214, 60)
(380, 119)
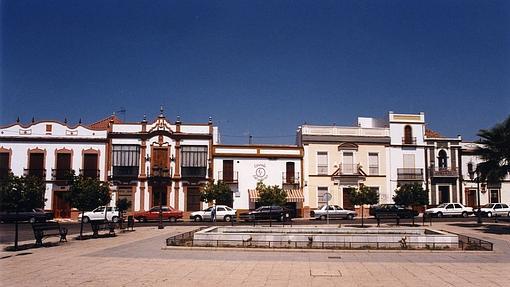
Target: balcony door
(160, 157)
(290, 172)
(36, 164)
(90, 165)
(4, 164)
(63, 166)
(348, 163)
(228, 170)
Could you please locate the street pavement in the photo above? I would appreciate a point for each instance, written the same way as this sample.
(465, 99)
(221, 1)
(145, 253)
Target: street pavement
(139, 258)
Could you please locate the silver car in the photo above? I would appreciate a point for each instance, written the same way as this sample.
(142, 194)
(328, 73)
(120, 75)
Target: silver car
(494, 209)
(223, 212)
(333, 211)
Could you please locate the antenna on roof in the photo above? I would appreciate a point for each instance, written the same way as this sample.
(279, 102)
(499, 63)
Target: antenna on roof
(123, 112)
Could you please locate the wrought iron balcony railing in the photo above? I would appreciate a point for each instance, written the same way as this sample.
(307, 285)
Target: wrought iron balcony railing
(290, 178)
(444, 172)
(37, 172)
(409, 141)
(90, 173)
(228, 177)
(61, 173)
(410, 174)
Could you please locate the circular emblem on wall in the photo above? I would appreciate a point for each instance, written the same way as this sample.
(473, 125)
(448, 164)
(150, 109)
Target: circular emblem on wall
(260, 172)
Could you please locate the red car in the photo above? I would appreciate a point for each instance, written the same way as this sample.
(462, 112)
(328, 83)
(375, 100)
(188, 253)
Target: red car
(169, 213)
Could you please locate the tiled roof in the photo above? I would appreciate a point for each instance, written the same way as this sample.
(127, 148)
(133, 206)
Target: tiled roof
(103, 124)
(433, 134)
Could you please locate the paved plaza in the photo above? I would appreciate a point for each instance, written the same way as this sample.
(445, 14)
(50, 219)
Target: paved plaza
(139, 258)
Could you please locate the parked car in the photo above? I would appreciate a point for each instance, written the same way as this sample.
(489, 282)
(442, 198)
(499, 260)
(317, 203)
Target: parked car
(494, 209)
(400, 210)
(333, 211)
(449, 209)
(268, 212)
(112, 214)
(169, 213)
(34, 215)
(223, 212)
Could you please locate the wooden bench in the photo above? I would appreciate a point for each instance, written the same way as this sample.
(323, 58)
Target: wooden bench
(47, 229)
(381, 216)
(102, 224)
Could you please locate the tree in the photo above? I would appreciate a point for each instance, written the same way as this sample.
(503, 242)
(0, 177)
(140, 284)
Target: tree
(411, 195)
(86, 194)
(21, 194)
(495, 152)
(218, 192)
(363, 195)
(123, 205)
(271, 195)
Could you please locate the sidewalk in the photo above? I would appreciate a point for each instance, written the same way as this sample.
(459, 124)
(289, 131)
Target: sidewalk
(137, 259)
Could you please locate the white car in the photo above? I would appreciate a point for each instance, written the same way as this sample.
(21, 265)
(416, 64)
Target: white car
(494, 209)
(450, 209)
(98, 214)
(333, 212)
(223, 212)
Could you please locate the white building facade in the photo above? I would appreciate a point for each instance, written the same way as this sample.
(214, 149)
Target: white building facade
(243, 166)
(50, 150)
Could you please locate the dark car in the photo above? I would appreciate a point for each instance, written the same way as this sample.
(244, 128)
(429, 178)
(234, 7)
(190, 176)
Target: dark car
(401, 211)
(267, 212)
(34, 215)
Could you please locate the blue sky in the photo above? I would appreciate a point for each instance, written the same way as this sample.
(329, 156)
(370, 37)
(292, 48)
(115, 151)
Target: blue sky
(258, 67)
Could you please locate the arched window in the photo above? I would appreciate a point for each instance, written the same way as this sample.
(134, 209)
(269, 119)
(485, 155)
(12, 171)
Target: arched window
(442, 159)
(408, 135)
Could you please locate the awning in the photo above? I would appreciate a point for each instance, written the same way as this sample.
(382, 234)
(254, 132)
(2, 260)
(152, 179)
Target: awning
(293, 195)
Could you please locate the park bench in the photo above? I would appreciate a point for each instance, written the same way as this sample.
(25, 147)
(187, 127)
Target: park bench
(383, 216)
(102, 224)
(47, 229)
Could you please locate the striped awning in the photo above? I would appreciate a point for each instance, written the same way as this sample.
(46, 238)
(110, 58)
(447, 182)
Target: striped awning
(293, 195)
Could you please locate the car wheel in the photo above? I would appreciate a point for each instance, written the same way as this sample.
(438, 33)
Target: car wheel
(115, 219)
(323, 217)
(489, 214)
(227, 218)
(464, 214)
(439, 214)
(142, 219)
(350, 216)
(86, 219)
(198, 218)
(172, 219)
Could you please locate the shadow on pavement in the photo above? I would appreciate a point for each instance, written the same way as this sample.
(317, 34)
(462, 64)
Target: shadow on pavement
(487, 228)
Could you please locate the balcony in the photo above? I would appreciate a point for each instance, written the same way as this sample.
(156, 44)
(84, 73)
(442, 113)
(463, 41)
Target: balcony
(159, 176)
(229, 177)
(90, 173)
(194, 172)
(61, 174)
(410, 174)
(409, 141)
(290, 179)
(444, 172)
(125, 172)
(37, 172)
(348, 169)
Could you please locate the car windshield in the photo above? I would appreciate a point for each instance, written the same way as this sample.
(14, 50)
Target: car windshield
(321, 207)
(442, 205)
(208, 209)
(490, 205)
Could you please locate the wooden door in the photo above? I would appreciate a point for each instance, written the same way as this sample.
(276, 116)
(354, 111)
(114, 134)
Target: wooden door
(4, 164)
(290, 176)
(160, 158)
(36, 164)
(63, 165)
(347, 204)
(90, 166)
(193, 199)
(444, 194)
(471, 197)
(61, 207)
(158, 190)
(228, 170)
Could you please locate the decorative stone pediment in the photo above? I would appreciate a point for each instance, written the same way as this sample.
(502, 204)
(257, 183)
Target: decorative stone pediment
(348, 146)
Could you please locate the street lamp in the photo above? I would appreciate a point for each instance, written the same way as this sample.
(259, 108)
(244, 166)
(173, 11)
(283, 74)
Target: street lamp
(472, 176)
(157, 179)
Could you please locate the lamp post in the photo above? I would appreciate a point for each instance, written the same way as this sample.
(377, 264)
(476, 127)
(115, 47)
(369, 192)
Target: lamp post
(472, 176)
(157, 180)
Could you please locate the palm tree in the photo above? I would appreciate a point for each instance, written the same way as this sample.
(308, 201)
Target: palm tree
(495, 152)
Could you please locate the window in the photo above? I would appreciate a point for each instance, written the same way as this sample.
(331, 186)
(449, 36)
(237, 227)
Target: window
(457, 205)
(322, 163)
(442, 159)
(408, 161)
(126, 160)
(194, 161)
(494, 195)
(321, 191)
(373, 163)
(220, 209)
